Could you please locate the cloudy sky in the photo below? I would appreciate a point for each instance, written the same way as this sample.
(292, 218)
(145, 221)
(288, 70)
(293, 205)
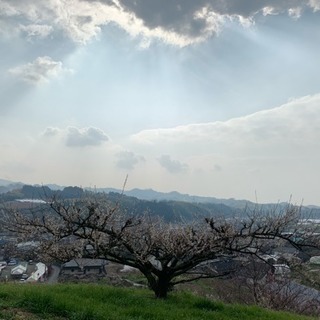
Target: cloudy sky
(209, 97)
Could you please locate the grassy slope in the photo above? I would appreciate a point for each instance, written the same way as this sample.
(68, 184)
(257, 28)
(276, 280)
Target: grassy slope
(96, 302)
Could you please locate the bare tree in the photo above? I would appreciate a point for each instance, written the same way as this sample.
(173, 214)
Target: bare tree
(165, 254)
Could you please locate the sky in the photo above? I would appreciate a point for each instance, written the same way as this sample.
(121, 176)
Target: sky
(210, 97)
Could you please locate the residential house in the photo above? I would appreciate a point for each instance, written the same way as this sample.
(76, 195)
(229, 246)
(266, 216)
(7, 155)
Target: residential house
(19, 270)
(39, 274)
(84, 266)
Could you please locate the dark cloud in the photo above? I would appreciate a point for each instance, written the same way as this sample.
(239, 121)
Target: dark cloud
(127, 160)
(172, 13)
(85, 137)
(179, 22)
(173, 166)
(248, 8)
(175, 15)
(195, 18)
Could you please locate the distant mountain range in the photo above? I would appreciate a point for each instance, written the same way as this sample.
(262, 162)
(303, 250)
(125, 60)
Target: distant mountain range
(6, 185)
(152, 195)
(10, 190)
(143, 194)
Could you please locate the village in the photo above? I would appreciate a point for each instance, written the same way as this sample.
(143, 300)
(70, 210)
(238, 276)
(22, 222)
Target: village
(19, 263)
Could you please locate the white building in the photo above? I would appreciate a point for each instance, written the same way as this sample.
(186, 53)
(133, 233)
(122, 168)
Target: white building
(39, 274)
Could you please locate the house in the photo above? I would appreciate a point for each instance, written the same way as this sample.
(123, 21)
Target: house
(224, 266)
(19, 270)
(84, 266)
(12, 262)
(29, 245)
(281, 269)
(71, 267)
(39, 274)
(3, 265)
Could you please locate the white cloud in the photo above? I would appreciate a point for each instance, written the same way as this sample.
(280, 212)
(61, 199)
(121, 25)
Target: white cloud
(295, 12)
(281, 131)
(78, 137)
(85, 137)
(275, 152)
(51, 132)
(173, 166)
(38, 71)
(7, 9)
(36, 30)
(315, 4)
(128, 160)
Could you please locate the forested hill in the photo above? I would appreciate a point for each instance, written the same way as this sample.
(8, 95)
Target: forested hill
(150, 194)
(169, 210)
(41, 193)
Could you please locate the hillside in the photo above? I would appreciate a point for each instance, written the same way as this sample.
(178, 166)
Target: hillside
(12, 188)
(169, 210)
(97, 302)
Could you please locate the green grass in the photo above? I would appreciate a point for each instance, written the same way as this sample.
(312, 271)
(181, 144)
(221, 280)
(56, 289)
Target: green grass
(97, 302)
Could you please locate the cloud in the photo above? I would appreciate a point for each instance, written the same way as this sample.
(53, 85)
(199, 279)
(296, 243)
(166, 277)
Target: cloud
(85, 137)
(178, 22)
(78, 137)
(173, 166)
(36, 30)
(198, 20)
(51, 132)
(275, 152)
(38, 71)
(192, 19)
(289, 130)
(249, 8)
(79, 20)
(315, 4)
(127, 160)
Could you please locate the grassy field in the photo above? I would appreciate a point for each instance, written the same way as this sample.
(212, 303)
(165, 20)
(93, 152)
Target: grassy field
(99, 302)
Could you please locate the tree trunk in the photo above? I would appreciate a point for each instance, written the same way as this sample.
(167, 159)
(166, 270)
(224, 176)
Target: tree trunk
(163, 286)
(160, 284)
